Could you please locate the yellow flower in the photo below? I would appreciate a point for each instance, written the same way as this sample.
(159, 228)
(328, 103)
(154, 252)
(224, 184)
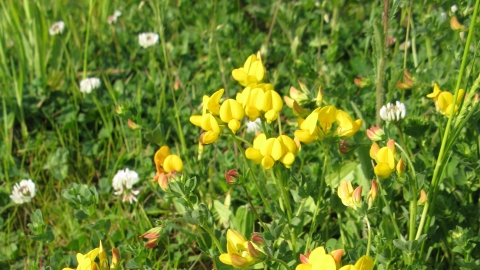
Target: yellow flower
(349, 196)
(385, 159)
(102, 256)
(237, 251)
(210, 124)
(231, 112)
(167, 166)
(251, 72)
(87, 261)
(364, 263)
(346, 127)
(317, 125)
(318, 259)
(212, 103)
(270, 103)
(268, 151)
(444, 100)
(260, 98)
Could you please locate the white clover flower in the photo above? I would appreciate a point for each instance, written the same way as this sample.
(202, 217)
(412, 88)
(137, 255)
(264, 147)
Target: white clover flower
(23, 192)
(88, 84)
(113, 18)
(454, 8)
(254, 126)
(147, 39)
(56, 28)
(393, 113)
(123, 182)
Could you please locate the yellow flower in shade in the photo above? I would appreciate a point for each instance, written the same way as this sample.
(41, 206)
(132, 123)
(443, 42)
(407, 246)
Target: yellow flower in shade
(364, 263)
(87, 261)
(444, 100)
(231, 112)
(385, 159)
(167, 166)
(237, 251)
(318, 259)
(260, 98)
(270, 103)
(251, 72)
(268, 151)
(349, 196)
(346, 127)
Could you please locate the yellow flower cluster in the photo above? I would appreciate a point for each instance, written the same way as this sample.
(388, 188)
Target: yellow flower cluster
(444, 100)
(87, 261)
(318, 259)
(319, 125)
(385, 160)
(268, 151)
(167, 166)
(256, 100)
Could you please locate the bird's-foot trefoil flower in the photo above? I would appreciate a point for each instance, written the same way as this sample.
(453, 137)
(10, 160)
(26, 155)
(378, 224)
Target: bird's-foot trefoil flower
(350, 197)
(364, 263)
(444, 100)
(167, 165)
(241, 253)
(384, 158)
(268, 151)
(318, 259)
(252, 71)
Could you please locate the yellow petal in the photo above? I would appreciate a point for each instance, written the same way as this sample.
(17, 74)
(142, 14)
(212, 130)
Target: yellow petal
(225, 258)
(305, 136)
(259, 140)
(268, 162)
(160, 155)
(303, 267)
(254, 155)
(316, 254)
(173, 163)
(364, 263)
(196, 120)
(239, 75)
(288, 159)
(383, 170)
(234, 125)
(271, 116)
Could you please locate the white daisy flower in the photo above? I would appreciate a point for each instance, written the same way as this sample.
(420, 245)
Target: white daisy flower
(393, 113)
(254, 126)
(147, 39)
(123, 182)
(23, 192)
(56, 28)
(88, 84)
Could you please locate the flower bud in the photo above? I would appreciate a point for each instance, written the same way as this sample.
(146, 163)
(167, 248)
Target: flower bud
(423, 197)
(319, 99)
(457, 26)
(361, 81)
(376, 134)
(115, 259)
(357, 197)
(372, 194)
(373, 150)
(153, 233)
(231, 176)
(152, 243)
(345, 147)
(391, 145)
(337, 254)
(401, 166)
(120, 109)
(255, 251)
(132, 125)
(102, 256)
(258, 240)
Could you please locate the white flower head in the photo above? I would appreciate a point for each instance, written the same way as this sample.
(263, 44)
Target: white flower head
(454, 8)
(147, 39)
(88, 84)
(56, 28)
(254, 126)
(23, 192)
(123, 182)
(393, 113)
(113, 18)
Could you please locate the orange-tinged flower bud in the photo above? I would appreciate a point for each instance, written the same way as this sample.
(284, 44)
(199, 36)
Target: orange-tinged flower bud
(152, 243)
(457, 26)
(401, 166)
(357, 196)
(372, 194)
(391, 145)
(376, 134)
(374, 150)
(304, 258)
(231, 176)
(132, 125)
(258, 239)
(255, 251)
(337, 255)
(153, 233)
(361, 81)
(423, 197)
(115, 259)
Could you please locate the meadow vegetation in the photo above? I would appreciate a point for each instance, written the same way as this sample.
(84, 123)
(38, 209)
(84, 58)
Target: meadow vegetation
(239, 134)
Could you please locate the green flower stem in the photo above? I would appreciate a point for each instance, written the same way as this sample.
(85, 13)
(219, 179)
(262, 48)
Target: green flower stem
(443, 148)
(402, 140)
(90, 11)
(369, 243)
(394, 221)
(280, 262)
(255, 181)
(254, 210)
(319, 199)
(102, 116)
(215, 240)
